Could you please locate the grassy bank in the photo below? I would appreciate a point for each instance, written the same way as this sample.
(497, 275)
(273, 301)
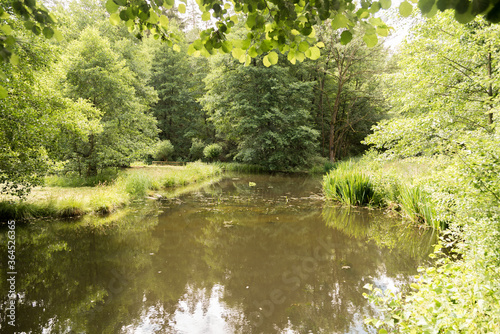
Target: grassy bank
(71, 196)
(458, 196)
(398, 185)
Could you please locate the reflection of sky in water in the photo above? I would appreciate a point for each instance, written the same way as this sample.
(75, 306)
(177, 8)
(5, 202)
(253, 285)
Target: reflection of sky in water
(199, 321)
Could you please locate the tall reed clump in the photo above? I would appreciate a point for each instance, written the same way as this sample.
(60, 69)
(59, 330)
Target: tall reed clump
(350, 186)
(417, 205)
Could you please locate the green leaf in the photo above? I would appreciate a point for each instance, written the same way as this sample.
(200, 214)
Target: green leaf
(405, 9)
(164, 21)
(375, 7)
(385, 4)
(111, 6)
(376, 21)
(383, 31)
(382, 331)
(58, 35)
(237, 53)
(273, 57)
(205, 16)
(493, 15)
(425, 6)
(14, 59)
(176, 48)
(6, 29)
(252, 52)
(345, 37)
(121, 2)
(303, 46)
(36, 30)
(266, 61)
(291, 57)
(370, 40)
(315, 53)
(48, 32)
(3, 92)
(340, 21)
(300, 56)
(114, 19)
(182, 8)
(362, 13)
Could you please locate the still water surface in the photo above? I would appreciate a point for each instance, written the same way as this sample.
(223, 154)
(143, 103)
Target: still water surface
(235, 257)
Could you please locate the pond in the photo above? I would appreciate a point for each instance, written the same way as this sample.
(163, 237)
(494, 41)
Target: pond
(249, 254)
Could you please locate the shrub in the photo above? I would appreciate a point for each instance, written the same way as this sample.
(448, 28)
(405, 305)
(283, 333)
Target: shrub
(196, 150)
(163, 150)
(212, 152)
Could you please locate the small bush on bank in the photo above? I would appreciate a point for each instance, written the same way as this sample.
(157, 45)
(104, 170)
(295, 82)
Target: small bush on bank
(163, 150)
(196, 150)
(212, 152)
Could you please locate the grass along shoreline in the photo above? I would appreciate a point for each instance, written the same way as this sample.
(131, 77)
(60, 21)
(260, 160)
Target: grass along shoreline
(62, 199)
(400, 186)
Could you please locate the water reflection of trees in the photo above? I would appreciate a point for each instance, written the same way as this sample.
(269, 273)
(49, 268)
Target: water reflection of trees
(78, 274)
(263, 253)
(393, 235)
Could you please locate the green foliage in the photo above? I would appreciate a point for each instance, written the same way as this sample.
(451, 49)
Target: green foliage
(349, 186)
(178, 79)
(212, 152)
(196, 149)
(96, 73)
(262, 114)
(417, 206)
(275, 25)
(34, 117)
(163, 150)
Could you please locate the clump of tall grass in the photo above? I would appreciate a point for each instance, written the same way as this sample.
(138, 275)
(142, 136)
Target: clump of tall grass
(349, 186)
(138, 184)
(417, 206)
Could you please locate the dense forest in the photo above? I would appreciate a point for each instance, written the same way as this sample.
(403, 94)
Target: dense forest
(106, 98)
(91, 96)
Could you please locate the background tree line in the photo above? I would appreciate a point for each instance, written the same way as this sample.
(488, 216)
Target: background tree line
(104, 98)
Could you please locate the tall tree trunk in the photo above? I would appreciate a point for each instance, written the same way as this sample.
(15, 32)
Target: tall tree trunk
(335, 111)
(92, 165)
(321, 88)
(490, 90)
